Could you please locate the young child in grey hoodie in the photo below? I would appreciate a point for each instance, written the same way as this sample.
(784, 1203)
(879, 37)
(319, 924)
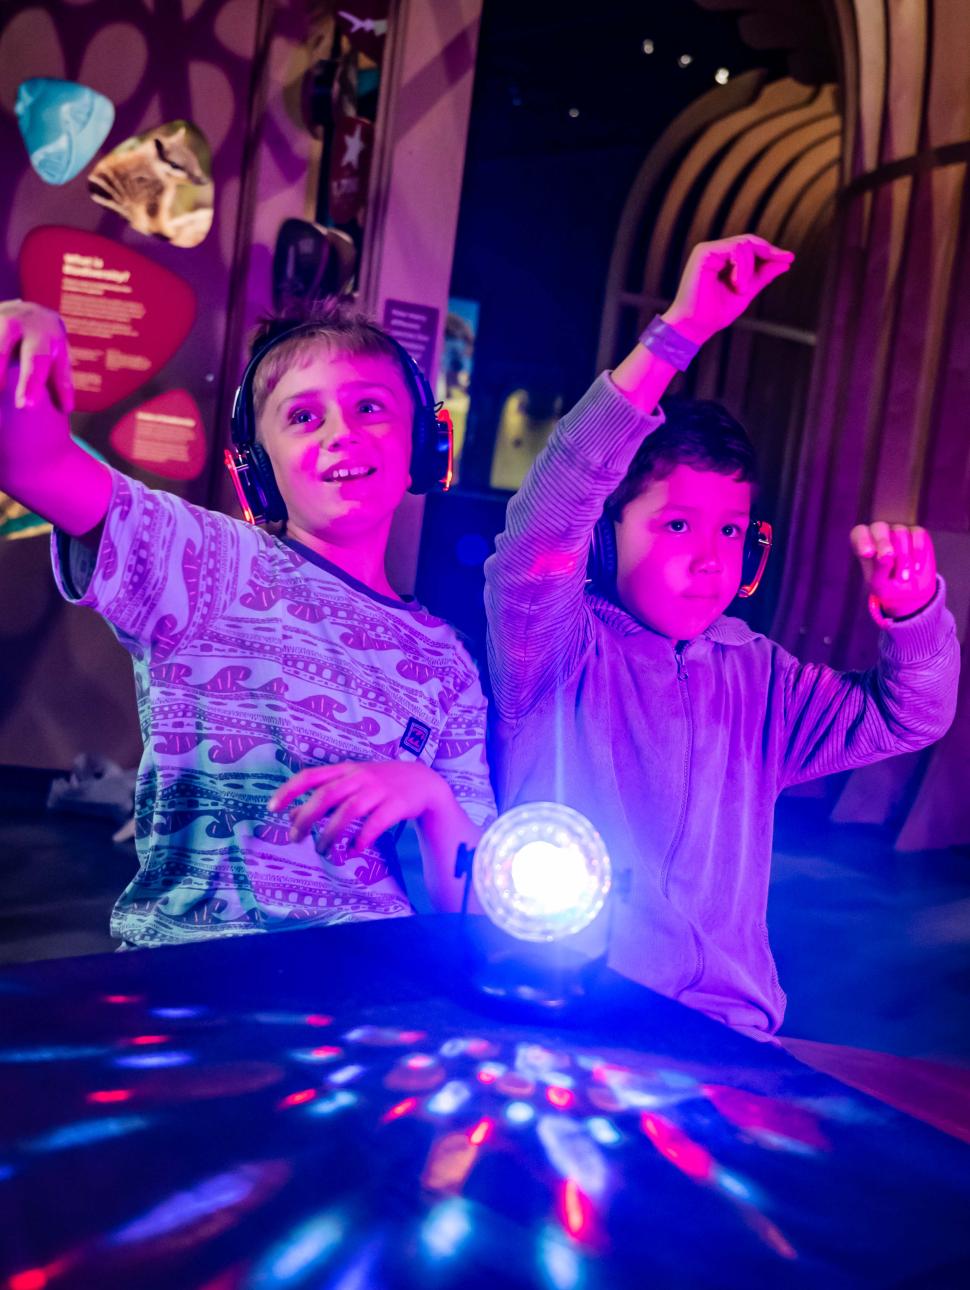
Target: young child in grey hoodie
(633, 698)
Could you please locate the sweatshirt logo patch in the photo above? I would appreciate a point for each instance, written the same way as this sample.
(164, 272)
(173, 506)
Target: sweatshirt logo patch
(415, 737)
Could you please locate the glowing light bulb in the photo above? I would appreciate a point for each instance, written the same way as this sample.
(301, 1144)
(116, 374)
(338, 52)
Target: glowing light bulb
(541, 872)
(722, 76)
(648, 46)
(685, 60)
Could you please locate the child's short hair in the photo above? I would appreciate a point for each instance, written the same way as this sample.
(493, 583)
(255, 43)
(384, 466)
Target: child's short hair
(696, 432)
(338, 322)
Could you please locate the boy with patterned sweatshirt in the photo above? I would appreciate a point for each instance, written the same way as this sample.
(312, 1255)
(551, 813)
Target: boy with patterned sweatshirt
(266, 666)
(633, 699)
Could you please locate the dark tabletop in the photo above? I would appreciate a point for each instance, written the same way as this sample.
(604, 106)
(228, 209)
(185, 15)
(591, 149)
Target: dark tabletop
(336, 1108)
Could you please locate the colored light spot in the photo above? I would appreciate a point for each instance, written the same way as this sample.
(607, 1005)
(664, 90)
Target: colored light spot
(446, 1228)
(448, 1098)
(301, 1252)
(575, 1209)
(449, 1162)
(399, 1109)
(297, 1099)
(176, 1014)
(106, 1095)
(324, 1053)
(6, 1171)
(488, 1072)
(512, 1084)
(561, 1098)
(603, 1131)
(481, 1132)
(152, 1061)
(213, 1203)
(87, 1131)
(60, 1054)
(418, 1061)
(332, 1103)
(732, 1184)
(151, 1039)
(319, 1019)
(674, 1145)
(519, 1113)
(560, 1263)
(346, 1074)
(29, 1279)
(122, 998)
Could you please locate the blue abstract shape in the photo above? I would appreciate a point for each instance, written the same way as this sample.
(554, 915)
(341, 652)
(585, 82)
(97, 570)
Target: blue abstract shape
(62, 124)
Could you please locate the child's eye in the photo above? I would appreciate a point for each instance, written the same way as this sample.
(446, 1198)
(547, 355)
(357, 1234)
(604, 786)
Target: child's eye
(370, 405)
(677, 526)
(731, 530)
(301, 417)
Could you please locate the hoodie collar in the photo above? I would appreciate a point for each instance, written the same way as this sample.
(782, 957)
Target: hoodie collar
(723, 631)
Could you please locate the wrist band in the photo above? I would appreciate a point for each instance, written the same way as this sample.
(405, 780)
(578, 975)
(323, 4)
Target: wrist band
(667, 343)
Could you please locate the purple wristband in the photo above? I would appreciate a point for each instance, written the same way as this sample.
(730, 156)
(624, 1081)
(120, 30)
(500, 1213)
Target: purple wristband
(667, 343)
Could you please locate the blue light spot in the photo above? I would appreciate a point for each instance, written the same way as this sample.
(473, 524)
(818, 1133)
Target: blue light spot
(63, 1054)
(185, 1207)
(733, 1185)
(177, 1014)
(331, 1103)
(151, 1061)
(86, 1131)
(603, 1131)
(448, 1098)
(302, 1251)
(519, 1113)
(6, 1171)
(560, 1264)
(446, 1228)
(346, 1075)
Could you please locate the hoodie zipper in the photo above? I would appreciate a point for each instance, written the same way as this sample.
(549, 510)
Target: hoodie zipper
(679, 651)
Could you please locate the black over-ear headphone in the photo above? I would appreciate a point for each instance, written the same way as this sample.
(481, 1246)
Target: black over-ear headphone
(251, 470)
(601, 563)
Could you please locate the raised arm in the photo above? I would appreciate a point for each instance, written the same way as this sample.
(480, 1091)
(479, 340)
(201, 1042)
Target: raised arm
(538, 624)
(40, 464)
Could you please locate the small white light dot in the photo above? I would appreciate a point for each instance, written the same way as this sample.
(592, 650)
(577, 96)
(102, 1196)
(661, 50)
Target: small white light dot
(722, 76)
(574, 113)
(685, 60)
(648, 46)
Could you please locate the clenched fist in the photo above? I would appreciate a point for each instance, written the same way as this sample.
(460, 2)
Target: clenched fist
(898, 564)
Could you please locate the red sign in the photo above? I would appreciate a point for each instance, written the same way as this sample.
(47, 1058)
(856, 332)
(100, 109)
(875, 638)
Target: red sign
(164, 435)
(125, 315)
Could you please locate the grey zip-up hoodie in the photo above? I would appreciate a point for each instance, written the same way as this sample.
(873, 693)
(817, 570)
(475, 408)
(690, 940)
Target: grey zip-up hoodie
(676, 752)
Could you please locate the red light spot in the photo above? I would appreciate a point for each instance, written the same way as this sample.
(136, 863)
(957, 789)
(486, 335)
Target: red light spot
(327, 1050)
(121, 998)
(481, 1132)
(487, 1077)
(401, 1108)
(110, 1095)
(560, 1097)
(674, 1145)
(319, 1019)
(297, 1099)
(31, 1279)
(411, 1036)
(150, 1039)
(577, 1213)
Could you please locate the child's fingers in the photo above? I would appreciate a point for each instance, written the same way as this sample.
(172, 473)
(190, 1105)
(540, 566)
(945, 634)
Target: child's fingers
(882, 539)
(319, 803)
(357, 805)
(9, 339)
(902, 550)
(304, 780)
(922, 549)
(63, 379)
(378, 822)
(35, 365)
(742, 268)
(766, 250)
(862, 542)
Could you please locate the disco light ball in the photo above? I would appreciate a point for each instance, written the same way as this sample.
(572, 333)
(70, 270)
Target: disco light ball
(541, 872)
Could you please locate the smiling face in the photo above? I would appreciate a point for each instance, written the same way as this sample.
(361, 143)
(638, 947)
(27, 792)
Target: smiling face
(337, 429)
(680, 549)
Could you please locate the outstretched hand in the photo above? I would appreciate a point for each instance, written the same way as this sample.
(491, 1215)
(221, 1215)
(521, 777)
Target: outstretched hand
(899, 566)
(34, 338)
(719, 282)
(360, 800)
